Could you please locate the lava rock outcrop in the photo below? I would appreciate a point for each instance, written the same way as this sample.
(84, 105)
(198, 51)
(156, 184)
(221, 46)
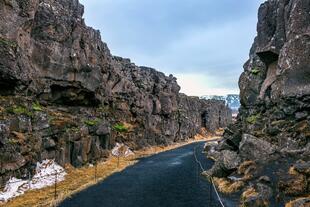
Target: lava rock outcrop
(63, 95)
(274, 121)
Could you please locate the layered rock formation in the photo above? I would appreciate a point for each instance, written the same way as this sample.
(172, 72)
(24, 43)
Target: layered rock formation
(273, 127)
(64, 96)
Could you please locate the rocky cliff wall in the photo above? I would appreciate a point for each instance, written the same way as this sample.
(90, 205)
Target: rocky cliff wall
(64, 96)
(273, 128)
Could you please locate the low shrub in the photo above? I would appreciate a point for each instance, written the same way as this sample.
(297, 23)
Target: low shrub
(120, 127)
(19, 110)
(92, 122)
(253, 119)
(255, 71)
(36, 106)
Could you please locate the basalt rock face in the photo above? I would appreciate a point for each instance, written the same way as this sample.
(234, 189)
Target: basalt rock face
(195, 113)
(274, 120)
(48, 50)
(63, 95)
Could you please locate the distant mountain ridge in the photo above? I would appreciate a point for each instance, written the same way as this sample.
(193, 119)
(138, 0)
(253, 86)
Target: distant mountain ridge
(232, 100)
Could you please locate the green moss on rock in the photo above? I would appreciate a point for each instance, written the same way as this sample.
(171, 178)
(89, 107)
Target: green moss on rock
(253, 118)
(19, 110)
(7, 43)
(36, 106)
(255, 71)
(120, 128)
(92, 122)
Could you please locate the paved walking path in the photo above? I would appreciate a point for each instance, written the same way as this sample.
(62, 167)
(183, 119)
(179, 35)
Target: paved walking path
(168, 179)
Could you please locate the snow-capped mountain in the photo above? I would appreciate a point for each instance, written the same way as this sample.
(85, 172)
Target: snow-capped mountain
(232, 100)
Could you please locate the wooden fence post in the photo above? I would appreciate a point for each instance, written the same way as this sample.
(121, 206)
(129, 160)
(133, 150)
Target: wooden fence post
(55, 187)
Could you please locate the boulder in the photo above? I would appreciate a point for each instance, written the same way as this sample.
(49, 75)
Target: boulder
(48, 55)
(274, 112)
(48, 143)
(226, 163)
(299, 202)
(40, 121)
(12, 163)
(103, 129)
(296, 182)
(255, 149)
(248, 169)
(302, 167)
(21, 123)
(231, 138)
(257, 196)
(293, 185)
(210, 149)
(4, 133)
(230, 159)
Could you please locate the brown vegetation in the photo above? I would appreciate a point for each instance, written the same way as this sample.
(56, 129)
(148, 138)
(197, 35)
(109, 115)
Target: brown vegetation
(78, 179)
(250, 192)
(300, 202)
(226, 186)
(247, 169)
(250, 198)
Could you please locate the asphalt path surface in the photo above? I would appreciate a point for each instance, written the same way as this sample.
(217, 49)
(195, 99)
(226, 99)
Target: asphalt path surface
(167, 179)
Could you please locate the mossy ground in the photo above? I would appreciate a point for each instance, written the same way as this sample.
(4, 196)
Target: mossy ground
(253, 118)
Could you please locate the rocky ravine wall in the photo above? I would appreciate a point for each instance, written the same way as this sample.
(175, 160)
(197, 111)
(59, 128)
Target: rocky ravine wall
(273, 127)
(64, 96)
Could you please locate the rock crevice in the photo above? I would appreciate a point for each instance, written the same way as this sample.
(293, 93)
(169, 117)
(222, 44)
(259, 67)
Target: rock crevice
(273, 126)
(65, 97)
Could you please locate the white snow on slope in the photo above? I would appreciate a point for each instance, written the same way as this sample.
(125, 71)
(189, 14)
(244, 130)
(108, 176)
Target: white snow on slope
(13, 188)
(121, 150)
(45, 176)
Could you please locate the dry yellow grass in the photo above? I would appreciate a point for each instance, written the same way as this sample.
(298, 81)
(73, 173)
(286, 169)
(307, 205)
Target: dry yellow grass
(250, 192)
(247, 169)
(226, 186)
(292, 171)
(204, 135)
(76, 180)
(129, 126)
(302, 202)
(79, 179)
(219, 132)
(245, 165)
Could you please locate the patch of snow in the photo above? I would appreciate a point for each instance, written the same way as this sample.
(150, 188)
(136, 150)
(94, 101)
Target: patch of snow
(121, 150)
(13, 188)
(46, 173)
(45, 176)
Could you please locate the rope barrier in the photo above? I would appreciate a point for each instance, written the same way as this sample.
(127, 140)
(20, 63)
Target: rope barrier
(199, 163)
(211, 179)
(195, 156)
(217, 194)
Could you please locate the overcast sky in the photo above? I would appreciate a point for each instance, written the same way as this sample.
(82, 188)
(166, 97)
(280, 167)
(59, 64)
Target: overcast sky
(204, 43)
